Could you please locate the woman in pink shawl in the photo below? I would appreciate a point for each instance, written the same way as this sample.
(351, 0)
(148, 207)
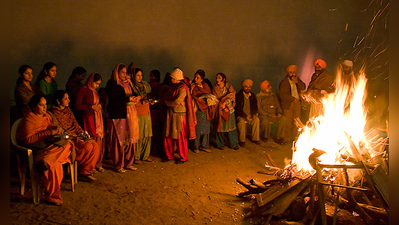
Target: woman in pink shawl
(88, 101)
(180, 117)
(122, 124)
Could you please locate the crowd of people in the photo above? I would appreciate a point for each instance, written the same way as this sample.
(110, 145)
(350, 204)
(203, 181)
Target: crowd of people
(118, 121)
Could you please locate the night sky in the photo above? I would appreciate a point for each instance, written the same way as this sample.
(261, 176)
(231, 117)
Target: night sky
(243, 39)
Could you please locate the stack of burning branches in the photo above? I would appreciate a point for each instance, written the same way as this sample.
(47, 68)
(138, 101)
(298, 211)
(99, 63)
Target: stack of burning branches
(357, 186)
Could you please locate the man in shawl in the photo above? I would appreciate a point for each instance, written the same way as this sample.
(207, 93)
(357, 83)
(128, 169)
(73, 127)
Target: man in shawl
(247, 113)
(290, 88)
(270, 112)
(180, 117)
(321, 83)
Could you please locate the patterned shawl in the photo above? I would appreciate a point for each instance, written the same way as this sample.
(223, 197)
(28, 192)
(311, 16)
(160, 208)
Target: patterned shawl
(226, 94)
(66, 120)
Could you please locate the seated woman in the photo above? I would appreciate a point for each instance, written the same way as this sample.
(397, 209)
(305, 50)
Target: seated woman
(34, 131)
(24, 90)
(87, 152)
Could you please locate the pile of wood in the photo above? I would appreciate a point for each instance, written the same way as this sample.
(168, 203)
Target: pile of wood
(319, 198)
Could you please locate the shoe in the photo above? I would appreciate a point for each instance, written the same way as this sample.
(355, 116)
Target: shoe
(236, 147)
(180, 162)
(264, 139)
(54, 203)
(256, 142)
(136, 161)
(196, 151)
(88, 177)
(148, 160)
(280, 141)
(101, 170)
(94, 171)
(166, 160)
(205, 150)
(121, 170)
(242, 144)
(131, 168)
(221, 147)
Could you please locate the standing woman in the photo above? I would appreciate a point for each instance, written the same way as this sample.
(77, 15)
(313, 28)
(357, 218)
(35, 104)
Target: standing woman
(24, 90)
(72, 87)
(198, 88)
(46, 82)
(142, 88)
(122, 124)
(180, 117)
(88, 101)
(225, 117)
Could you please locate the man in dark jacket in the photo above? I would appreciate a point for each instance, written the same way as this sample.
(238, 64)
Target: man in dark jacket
(246, 111)
(290, 88)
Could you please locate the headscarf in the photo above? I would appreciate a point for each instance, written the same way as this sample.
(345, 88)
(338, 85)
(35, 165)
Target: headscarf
(98, 116)
(348, 63)
(141, 88)
(291, 67)
(264, 84)
(247, 82)
(321, 63)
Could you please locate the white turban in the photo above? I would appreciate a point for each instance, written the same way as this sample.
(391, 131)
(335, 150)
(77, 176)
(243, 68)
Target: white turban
(348, 63)
(177, 74)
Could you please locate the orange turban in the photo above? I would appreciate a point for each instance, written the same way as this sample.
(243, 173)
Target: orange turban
(320, 62)
(264, 84)
(291, 67)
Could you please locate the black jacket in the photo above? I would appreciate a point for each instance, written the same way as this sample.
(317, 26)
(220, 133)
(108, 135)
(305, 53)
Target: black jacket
(239, 108)
(117, 100)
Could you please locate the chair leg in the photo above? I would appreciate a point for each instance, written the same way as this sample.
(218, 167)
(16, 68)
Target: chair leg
(22, 174)
(35, 179)
(72, 172)
(76, 171)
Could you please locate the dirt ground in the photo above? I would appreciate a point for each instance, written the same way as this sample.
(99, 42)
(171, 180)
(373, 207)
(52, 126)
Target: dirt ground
(201, 191)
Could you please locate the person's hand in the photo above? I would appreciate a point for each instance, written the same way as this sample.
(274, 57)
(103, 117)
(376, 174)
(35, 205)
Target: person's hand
(296, 101)
(223, 105)
(272, 115)
(96, 107)
(249, 118)
(226, 109)
(278, 115)
(55, 130)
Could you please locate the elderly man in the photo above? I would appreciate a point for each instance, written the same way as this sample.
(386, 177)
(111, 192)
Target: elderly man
(270, 112)
(247, 112)
(289, 90)
(321, 83)
(347, 75)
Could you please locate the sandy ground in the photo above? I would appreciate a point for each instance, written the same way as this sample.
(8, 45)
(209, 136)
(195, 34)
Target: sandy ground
(201, 191)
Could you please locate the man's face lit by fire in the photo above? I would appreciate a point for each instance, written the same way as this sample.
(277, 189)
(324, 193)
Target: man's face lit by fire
(346, 69)
(292, 74)
(246, 88)
(268, 89)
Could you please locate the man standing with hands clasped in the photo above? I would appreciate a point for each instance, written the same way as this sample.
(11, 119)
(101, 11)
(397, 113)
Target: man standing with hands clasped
(289, 90)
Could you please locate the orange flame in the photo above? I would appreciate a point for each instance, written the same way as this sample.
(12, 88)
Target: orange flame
(344, 115)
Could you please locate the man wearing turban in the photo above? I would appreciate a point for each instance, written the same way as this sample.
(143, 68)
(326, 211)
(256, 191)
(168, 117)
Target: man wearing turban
(247, 112)
(321, 83)
(290, 88)
(270, 112)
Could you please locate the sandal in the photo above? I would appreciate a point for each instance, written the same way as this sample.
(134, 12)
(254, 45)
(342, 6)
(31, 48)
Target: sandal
(131, 168)
(148, 160)
(101, 169)
(121, 170)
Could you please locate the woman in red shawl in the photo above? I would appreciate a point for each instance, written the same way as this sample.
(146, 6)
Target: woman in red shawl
(203, 113)
(122, 124)
(180, 117)
(87, 152)
(34, 131)
(88, 101)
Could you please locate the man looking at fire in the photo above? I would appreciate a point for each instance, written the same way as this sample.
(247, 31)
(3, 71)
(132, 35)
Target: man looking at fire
(270, 111)
(321, 83)
(289, 90)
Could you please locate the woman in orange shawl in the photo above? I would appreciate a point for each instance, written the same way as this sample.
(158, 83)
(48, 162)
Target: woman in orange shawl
(180, 117)
(87, 152)
(88, 101)
(122, 124)
(34, 131)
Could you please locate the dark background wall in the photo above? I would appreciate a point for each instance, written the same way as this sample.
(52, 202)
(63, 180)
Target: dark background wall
(244, 39)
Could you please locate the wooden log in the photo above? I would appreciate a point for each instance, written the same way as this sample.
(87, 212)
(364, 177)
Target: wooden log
(271, 160)
(375, 212)
(258, 184)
